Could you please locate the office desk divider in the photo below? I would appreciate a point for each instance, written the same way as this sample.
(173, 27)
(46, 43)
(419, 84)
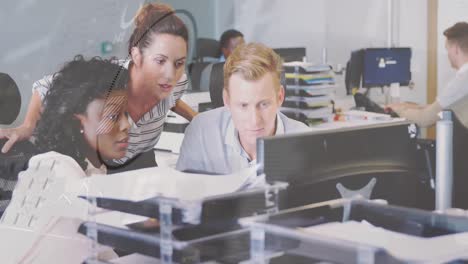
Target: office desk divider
(323, 232)
(189, 231)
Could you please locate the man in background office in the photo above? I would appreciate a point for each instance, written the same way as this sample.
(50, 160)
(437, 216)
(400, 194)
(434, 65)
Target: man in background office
(457, 48)
(229, 40)
(223, 140)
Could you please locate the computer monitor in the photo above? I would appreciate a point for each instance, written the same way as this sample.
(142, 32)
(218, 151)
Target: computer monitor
(384, 66)
(291, 54)
(314, 162)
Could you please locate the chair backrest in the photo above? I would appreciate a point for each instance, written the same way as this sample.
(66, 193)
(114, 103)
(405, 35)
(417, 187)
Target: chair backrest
(217, 84)
(354, 67)
(460, 152)
(207, 48)
(10, 99)
(460, 164)
(195, 71)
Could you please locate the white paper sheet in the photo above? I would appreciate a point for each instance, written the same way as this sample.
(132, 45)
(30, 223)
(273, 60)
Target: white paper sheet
(147, 183)
(405, 247)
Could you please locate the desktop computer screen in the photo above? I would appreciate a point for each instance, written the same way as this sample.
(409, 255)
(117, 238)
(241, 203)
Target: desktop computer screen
(383, 66)
(314, 162)
(291, 54)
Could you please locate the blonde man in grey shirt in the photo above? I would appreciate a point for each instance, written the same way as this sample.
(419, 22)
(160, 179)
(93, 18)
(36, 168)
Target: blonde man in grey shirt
(457, 49)
(223, 140)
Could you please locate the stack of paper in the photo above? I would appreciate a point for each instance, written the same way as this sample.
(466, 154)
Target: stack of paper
(147, 183)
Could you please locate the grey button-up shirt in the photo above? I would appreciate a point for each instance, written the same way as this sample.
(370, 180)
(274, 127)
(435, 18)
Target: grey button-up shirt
(211, 143)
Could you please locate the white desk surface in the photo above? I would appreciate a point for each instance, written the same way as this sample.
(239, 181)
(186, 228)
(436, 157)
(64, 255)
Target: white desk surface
(166, 158)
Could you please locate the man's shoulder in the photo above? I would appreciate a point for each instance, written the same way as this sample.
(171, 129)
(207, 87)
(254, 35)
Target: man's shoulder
(54, 158)
(61, 165)
(209, 119)
(291, 125)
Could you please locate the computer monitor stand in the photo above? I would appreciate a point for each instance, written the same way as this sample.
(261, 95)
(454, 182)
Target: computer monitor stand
(393, 93)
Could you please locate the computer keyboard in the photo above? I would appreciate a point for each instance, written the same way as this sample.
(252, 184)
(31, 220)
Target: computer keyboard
(370, 106)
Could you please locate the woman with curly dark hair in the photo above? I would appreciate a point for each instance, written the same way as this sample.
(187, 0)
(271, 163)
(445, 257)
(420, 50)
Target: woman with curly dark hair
(84, 123)
(69, 123)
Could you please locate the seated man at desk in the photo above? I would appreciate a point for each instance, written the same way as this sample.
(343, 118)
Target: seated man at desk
(457, 48)
(223, 140)
(229, 40)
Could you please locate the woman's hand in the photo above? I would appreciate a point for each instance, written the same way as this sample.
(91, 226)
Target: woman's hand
(13, 135)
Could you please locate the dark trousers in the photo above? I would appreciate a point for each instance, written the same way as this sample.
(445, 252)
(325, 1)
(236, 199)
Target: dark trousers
(140, 161)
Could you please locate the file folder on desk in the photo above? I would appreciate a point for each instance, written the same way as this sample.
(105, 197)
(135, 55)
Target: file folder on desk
(310, 81)
(310, 90)
(304, 67)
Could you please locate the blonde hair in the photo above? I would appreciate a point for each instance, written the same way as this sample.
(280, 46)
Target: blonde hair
(253, 61)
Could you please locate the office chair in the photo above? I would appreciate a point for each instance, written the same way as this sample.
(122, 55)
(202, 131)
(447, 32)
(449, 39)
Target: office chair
(354, 68)
(427, 159)
(460, 165)
(207, 49)
(17, 158)
(217, 85)
(195, 71)
(10, 99)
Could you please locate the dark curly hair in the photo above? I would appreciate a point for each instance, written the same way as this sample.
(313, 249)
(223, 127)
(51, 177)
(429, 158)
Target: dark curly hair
(73, 88)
